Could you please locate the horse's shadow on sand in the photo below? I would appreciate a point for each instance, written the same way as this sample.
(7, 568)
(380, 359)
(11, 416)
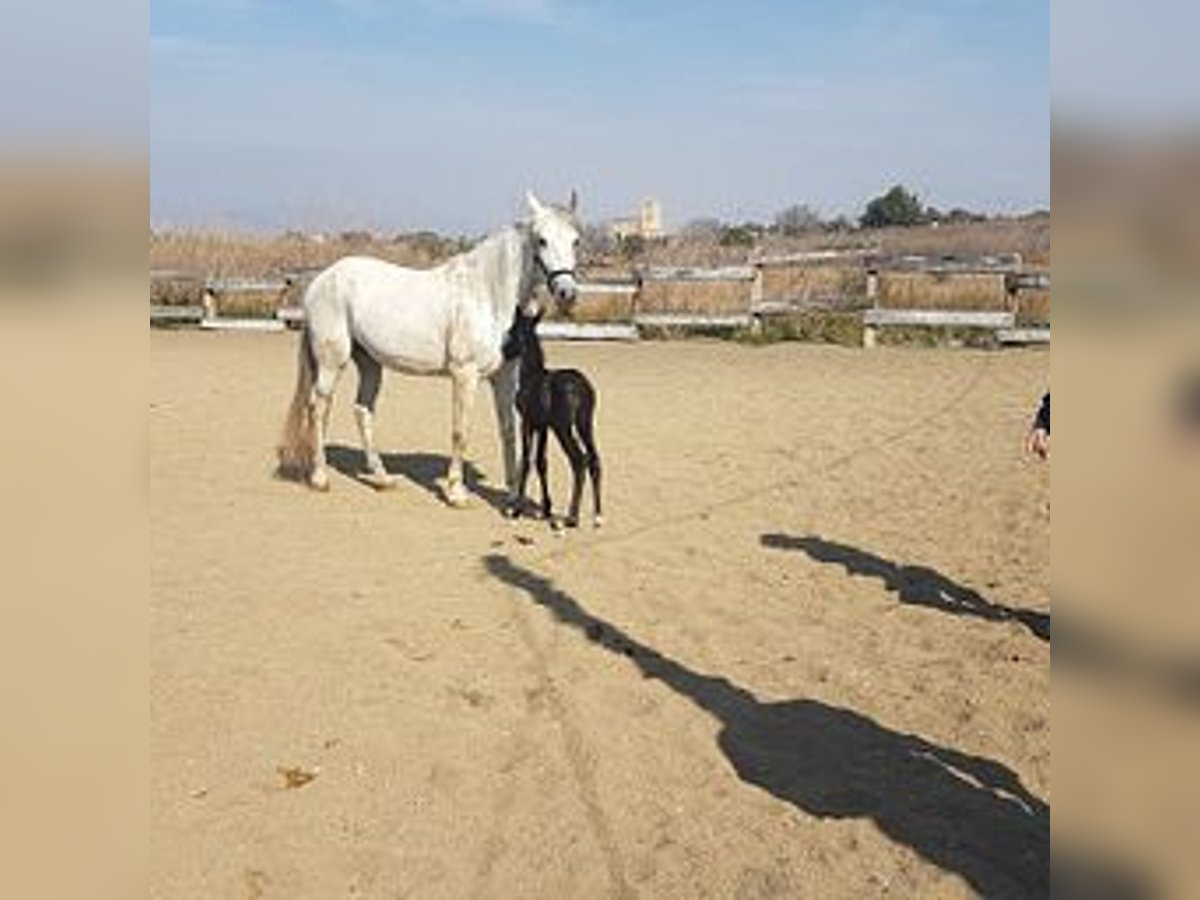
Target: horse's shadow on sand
(426, 470)
(966, 814)
(918, 585)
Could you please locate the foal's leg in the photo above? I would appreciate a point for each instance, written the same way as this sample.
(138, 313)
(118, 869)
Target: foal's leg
(465, 380)
(331, 355)
(583, 425)
(517, 503)
(370, 376)
(540, 443)
(562, 431)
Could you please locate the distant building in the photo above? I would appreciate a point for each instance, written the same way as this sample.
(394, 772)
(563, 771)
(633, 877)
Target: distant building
(646, 224)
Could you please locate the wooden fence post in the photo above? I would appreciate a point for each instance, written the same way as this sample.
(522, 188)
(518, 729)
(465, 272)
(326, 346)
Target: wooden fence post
(756, 298)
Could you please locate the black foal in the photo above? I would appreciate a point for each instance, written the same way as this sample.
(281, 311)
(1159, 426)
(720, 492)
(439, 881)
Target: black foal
(562, 400)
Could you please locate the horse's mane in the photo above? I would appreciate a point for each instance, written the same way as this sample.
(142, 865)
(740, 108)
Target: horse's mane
(499, 261)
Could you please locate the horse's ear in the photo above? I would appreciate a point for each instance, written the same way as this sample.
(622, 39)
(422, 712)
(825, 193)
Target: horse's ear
(535, 205)
(573, 206)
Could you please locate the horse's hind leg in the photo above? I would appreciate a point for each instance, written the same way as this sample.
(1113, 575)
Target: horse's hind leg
(331, 356)
(370, 376)
(583, 425)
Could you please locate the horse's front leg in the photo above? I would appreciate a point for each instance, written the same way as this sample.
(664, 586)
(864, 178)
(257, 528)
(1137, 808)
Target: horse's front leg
(504, 394)
(465, 381)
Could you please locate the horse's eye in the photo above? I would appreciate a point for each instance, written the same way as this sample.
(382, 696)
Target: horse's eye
(542, 243)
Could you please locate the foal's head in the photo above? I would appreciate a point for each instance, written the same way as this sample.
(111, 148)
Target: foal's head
(523, 342)
(555, 236)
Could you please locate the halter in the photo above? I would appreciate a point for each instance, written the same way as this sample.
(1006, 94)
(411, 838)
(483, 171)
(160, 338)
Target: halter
(551, 274)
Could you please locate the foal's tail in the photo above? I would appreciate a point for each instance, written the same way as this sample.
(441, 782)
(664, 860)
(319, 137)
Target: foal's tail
(299, 443)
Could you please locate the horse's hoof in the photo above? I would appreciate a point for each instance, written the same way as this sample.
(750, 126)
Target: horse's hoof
(319, 481)
(457, 498)
(512, 512)
(556, 525)
(597, 521)
(572, 522)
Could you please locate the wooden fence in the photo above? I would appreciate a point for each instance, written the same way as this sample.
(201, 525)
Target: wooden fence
(992, 292)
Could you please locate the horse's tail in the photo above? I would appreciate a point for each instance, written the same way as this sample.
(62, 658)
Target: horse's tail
(298, 446)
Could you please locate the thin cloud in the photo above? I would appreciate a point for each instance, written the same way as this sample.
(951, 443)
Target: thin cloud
(412, 113)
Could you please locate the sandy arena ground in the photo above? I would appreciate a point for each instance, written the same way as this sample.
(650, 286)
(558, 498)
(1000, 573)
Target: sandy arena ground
(805, 657)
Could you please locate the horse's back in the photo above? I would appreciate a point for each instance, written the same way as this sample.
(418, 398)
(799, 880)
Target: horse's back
(572, 392)
(398, 315)
(362, 280)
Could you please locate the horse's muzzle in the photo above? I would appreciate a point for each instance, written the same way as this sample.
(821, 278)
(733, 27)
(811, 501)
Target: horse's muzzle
(565, 290)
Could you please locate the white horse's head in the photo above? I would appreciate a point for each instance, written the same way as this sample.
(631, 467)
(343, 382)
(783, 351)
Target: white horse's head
(555, 236)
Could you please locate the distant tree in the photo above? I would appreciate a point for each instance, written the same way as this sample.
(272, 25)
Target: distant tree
(958, 214)
(632, 246)
(839, 224)
(800, 218)
(744, 235)
(598, 241)
(898, 206)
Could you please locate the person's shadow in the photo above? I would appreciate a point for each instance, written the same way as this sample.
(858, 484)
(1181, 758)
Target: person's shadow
(966, 814)
(918, 585)
(426, 470)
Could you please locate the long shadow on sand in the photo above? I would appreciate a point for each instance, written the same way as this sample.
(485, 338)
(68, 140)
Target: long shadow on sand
(426, 470)
(966, 814)
(918, 585)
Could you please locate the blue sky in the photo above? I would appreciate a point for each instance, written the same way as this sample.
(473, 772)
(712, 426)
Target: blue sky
(406, 114)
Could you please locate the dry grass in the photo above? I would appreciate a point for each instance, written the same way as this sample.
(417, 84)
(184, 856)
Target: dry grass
(253, 304)
(699, 297)
(926, 290)
(604, 307)
(176, 291)
(1033, 307)
(838, 285)
(228, 255)
(207, 255)
(1029, 237)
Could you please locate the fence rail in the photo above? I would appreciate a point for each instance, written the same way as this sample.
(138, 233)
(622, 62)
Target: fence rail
(818, 257)
(176, 315)
(247, 285)
(689, 273)
(938, 318)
